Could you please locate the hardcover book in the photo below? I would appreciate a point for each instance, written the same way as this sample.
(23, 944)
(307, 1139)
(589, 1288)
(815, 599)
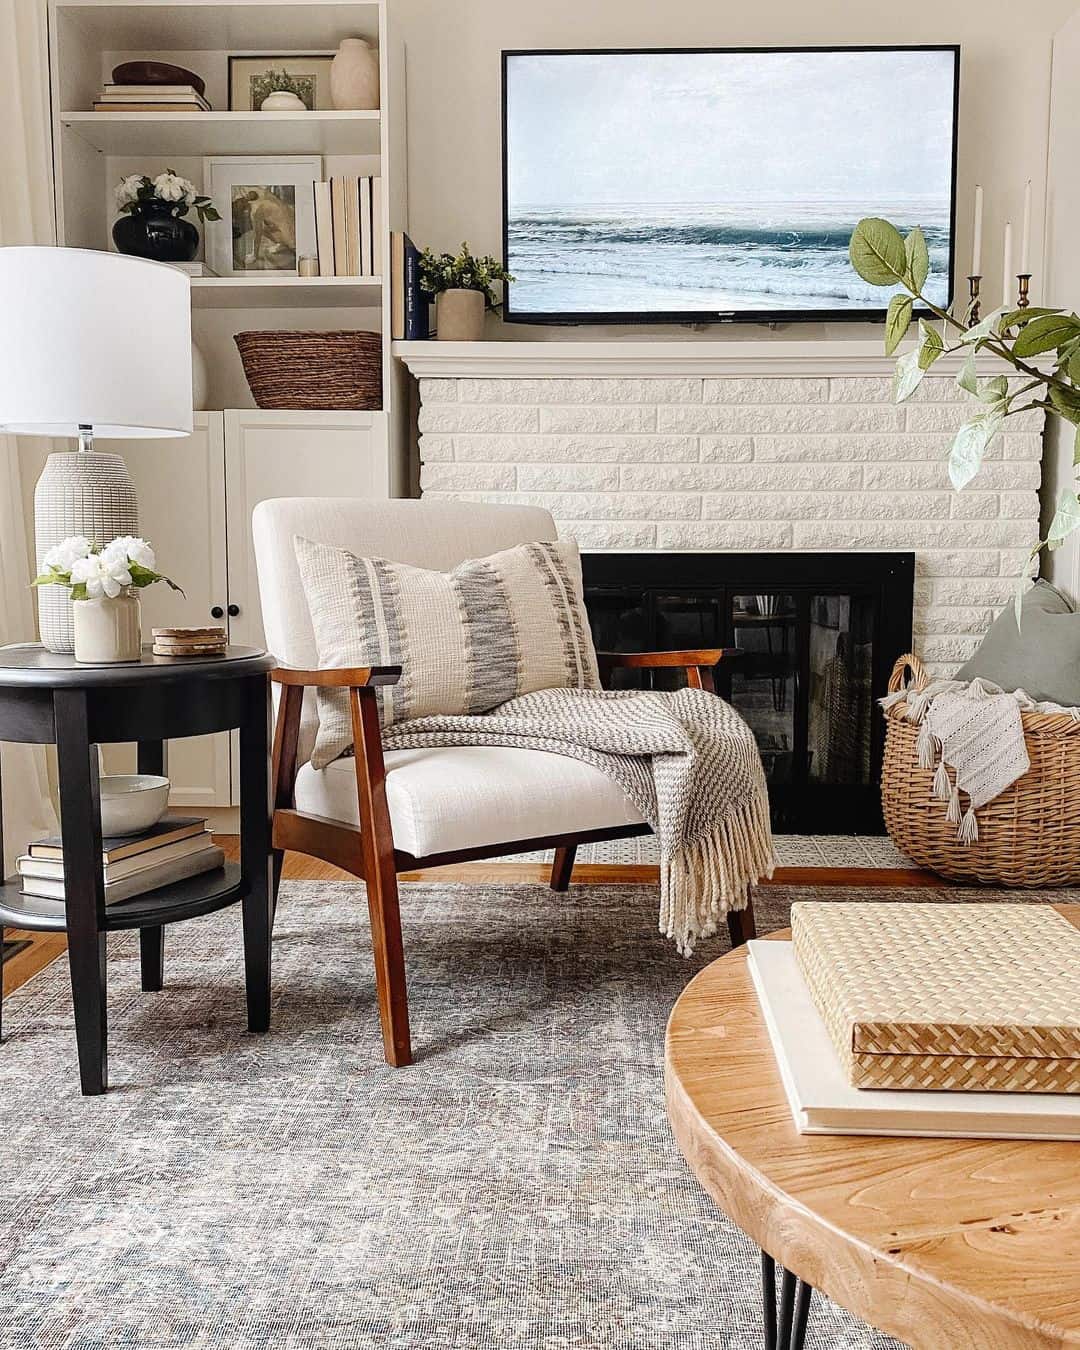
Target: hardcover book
(167, 829)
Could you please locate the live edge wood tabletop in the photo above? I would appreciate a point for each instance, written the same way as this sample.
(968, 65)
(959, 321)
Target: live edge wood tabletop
(948, 1244)
(51, 699)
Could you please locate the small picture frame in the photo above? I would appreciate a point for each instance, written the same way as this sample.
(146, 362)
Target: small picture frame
(267, 207)
(250, 82)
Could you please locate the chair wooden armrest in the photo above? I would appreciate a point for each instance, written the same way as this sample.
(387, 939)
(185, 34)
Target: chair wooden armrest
(358, 677)
(698, 663)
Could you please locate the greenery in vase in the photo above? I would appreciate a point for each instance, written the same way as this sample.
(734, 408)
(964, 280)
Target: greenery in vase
(1041, 345)
(92, 571)
(281, 82)
(466, 272)
(174, 193)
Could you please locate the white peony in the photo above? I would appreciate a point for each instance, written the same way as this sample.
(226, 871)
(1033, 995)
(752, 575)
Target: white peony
(127, 190)
(62, 555)
(170, 187)
(129, 548)
(101, 575)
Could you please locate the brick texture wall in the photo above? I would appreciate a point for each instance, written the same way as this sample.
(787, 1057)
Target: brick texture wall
(750, 464)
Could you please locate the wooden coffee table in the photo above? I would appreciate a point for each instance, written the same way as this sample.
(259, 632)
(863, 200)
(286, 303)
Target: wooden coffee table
(946, 1244)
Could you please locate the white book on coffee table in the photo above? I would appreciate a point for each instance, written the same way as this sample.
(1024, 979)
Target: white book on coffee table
(822, 1100)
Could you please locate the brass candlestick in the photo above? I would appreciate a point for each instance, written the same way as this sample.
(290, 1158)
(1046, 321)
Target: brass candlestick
(973, 302)
(1024, 281)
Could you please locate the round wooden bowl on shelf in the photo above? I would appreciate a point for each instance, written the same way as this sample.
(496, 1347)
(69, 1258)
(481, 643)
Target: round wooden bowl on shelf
(319, 371)
(1027, 834)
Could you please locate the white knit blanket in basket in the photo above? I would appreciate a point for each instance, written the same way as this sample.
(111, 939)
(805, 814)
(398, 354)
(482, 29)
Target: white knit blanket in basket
(975, 729)
(687, 761)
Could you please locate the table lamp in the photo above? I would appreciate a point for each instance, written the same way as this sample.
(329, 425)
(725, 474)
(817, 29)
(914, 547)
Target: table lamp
(90, 344)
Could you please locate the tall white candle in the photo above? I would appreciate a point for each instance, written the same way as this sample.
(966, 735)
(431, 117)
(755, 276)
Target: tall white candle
(1006, 268)
(976, 251)
(1025, 233)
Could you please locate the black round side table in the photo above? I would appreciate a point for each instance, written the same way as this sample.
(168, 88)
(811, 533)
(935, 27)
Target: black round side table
(46, 698)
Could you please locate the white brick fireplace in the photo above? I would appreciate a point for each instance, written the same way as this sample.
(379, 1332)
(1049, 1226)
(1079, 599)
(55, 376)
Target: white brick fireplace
(736, 446)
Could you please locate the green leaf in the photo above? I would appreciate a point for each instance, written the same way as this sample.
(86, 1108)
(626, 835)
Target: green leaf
(1023, 583)
(897, 322)
(984, 329)
(1076, 448)
(1046, 333)
(1066, 403)
(918, 259)
(933, 345)
(969, 447)
(877, 252)
(78, 591)
(1066, 518)
(1018, 318)
(1072, 367)
(908, 376)
(968, 378)
(995, 390)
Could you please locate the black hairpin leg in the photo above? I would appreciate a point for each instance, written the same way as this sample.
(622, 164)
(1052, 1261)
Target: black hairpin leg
(786, 1329)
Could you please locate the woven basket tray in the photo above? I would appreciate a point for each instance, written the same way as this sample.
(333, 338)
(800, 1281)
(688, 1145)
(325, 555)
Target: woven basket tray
(1027, 835)
(313, 370)
(964, 997)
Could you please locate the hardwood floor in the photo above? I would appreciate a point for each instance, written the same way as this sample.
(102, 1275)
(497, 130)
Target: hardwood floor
(46, 947)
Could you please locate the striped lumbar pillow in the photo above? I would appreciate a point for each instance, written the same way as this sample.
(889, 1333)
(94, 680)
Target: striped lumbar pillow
(466, 640)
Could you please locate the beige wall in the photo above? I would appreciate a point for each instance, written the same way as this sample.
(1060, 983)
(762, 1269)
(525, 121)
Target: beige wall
(453, 94)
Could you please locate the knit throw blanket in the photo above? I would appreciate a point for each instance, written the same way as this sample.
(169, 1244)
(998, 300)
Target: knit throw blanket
(975, 729)
(687, 761)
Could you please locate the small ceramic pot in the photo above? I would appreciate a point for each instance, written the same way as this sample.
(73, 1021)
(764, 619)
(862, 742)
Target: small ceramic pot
(354, 75)
(459, 316)
(107, 631)
(151, 230)
(281, 100)
(132, 802)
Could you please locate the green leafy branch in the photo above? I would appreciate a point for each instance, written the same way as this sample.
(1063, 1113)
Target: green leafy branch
(883, 256)
(464, 272)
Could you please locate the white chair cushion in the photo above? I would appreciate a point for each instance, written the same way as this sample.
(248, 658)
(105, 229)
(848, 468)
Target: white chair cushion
(445, 799)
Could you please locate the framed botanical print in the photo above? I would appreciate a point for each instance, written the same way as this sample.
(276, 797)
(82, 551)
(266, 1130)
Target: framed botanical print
(267, 208)
(252, 78)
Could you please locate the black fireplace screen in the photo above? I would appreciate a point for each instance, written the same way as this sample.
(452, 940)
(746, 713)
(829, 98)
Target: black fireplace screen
(816, 633)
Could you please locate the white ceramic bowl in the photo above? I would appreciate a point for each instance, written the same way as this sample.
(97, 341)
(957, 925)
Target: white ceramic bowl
(132, 802)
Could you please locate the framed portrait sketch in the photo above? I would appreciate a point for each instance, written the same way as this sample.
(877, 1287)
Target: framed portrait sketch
(251, 78)
(267, 206)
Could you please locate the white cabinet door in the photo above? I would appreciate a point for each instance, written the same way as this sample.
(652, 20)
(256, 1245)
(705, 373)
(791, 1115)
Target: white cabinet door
(181, 489)
(292, 454)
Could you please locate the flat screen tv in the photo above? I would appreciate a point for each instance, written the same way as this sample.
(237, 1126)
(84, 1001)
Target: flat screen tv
(715, 185)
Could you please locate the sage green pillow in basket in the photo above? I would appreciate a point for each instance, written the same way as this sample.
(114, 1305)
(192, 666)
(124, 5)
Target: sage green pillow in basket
(1042, 658)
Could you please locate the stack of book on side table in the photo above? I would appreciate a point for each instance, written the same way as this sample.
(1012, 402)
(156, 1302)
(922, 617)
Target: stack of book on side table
(955, 1020)
(151, 98)
(175, 848)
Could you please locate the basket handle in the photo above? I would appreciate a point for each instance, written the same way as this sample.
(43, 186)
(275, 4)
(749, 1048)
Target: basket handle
(905, 663)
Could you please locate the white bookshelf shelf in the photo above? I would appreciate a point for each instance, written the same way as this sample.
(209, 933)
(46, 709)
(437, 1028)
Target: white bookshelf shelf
(226, 133)
(230, 25)
(271, 292)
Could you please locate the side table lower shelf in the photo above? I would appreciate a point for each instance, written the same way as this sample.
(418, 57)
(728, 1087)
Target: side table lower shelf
(187, 899)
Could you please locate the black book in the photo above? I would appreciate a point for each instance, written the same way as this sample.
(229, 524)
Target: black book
(168, 830)
(416, 299)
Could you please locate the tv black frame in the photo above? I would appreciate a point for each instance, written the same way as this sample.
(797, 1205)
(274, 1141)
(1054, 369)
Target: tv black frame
(705, 316)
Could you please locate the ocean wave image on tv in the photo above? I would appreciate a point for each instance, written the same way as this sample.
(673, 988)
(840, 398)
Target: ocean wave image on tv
(686, 183)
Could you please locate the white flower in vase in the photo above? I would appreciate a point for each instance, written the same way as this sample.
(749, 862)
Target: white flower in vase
(128, 548)
(170, 187)
(127, 190)
(63, 555)
(101, 574)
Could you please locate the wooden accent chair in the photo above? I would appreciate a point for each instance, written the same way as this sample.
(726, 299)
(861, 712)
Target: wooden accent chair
(376, 815)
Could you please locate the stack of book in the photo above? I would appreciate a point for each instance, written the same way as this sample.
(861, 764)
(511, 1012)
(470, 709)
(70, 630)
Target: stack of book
(408, 302)
(348, 212)
(151, 98)
(175, 848)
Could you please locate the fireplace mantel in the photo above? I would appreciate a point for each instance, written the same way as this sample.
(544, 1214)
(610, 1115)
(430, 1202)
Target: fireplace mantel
(634, 357)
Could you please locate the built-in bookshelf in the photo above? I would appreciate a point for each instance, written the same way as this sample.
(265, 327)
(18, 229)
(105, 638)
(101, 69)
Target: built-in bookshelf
(94, 150)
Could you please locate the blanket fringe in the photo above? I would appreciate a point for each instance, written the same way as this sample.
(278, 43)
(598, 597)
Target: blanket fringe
(708, 877)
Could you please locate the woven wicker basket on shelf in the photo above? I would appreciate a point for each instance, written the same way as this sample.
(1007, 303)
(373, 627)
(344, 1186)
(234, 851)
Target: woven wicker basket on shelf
(313, 370)
(1028, 835)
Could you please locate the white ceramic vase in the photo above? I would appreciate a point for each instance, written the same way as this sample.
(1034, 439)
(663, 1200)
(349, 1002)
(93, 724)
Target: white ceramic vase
(107, 631)
(281, 100)
(459, 316)
(354, 75)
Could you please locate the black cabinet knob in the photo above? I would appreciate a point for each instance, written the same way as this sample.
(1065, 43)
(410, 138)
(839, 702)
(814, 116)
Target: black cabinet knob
(234, 610)
(216, 612)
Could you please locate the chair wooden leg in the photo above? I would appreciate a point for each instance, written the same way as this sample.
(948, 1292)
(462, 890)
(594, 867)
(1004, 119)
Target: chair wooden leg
(562, 867)
(740, 922)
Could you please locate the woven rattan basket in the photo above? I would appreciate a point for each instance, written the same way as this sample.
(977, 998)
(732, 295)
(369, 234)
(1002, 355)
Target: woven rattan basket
(313, 370)
(1028, 835)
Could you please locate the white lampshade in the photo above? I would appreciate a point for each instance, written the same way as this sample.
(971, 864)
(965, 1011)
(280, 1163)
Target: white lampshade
(93, 339)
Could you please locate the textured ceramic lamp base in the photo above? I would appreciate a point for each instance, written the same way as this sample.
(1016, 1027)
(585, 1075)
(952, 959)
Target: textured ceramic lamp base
(90, 494)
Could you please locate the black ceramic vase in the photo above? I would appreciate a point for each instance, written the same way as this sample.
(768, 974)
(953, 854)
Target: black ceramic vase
(150, 230)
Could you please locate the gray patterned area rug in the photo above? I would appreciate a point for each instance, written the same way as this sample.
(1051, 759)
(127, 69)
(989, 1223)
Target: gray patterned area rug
(516, 1189)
